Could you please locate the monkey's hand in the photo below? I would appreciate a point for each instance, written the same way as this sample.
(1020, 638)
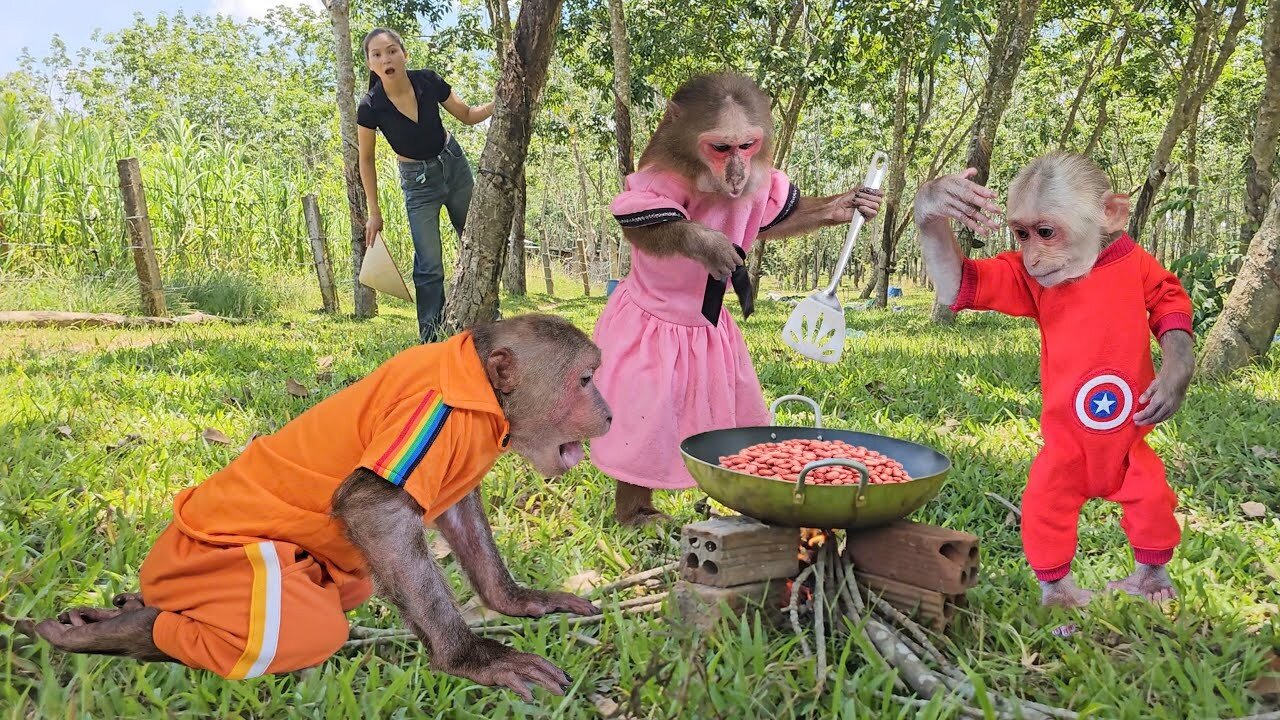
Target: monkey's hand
(714, 250)
(491, 663)
(862, 199)
(1165, 394)
(527, 602)
(957, 197)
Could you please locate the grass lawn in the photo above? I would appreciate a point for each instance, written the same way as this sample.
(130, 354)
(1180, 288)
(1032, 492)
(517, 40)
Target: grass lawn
(77, 515)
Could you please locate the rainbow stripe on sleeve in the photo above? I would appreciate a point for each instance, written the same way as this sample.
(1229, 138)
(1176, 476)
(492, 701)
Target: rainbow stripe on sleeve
(414, 440)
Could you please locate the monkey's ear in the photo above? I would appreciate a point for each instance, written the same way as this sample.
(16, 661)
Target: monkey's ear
(501, 367)
(673, 110)
(1115, 212)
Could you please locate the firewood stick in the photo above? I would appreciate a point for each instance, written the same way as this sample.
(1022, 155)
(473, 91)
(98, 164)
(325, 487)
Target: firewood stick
(480, 629)
(791, 608)
(632, 580)
(913, 629)
(819, 612)
(965, 710)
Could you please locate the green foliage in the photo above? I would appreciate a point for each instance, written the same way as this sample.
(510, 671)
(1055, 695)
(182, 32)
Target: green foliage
(77, 518)
(1208, 278)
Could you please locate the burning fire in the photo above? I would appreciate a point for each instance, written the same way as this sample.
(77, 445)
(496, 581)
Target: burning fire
(810, 541)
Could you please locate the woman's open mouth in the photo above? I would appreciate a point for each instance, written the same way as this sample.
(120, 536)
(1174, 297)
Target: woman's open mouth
(571, 453)
(389, 72)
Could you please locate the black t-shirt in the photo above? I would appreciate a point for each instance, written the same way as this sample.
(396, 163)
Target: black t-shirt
(422, 140)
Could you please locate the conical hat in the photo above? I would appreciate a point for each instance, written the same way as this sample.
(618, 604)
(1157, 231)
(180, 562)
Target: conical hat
(379, 271)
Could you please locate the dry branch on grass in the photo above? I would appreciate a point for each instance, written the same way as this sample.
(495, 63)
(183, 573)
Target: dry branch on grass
(54, 318)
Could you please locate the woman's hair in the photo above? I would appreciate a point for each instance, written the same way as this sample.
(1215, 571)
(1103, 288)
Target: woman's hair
(368, 38)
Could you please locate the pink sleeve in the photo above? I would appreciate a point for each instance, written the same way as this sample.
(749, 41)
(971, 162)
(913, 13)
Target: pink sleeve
(997, 283)
(781, 201)
(1168, 305)
(649, 198)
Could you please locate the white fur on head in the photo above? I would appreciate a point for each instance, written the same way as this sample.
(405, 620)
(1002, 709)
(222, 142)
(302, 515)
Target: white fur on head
(1068, 192)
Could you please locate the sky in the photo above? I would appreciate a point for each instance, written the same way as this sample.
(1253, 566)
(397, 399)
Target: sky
(33, 23)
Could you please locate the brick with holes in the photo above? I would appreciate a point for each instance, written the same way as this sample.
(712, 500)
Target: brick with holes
(737, 550)
(926, 556)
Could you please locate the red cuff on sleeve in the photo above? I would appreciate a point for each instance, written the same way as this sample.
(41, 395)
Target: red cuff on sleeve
(1173, 321)
(968, 286)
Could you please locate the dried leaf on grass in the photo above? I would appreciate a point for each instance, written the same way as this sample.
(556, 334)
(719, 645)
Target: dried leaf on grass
(296, 388)
(583, 582)
(1253, 509)
(214, 435)
(1267, 685)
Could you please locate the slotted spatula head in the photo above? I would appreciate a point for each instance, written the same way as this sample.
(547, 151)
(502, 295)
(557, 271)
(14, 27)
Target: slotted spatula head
(816, 328)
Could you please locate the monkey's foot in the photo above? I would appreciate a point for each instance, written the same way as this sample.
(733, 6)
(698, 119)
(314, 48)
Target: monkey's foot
(1064, 593)
(634, 506)
(104, 632)
(642, 517)
(1147, 581)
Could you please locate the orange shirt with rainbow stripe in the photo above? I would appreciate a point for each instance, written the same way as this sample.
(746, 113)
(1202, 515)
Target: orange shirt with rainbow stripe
(426, 420)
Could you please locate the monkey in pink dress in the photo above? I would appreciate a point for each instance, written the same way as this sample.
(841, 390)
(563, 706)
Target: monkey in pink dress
(674, 361)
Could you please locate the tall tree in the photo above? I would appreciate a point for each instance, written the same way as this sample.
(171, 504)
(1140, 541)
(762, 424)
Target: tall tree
(1259, 167)
(897, 170)
(366, 302)
(1199, 73)
(1016, 20)
(513, 270)
(1251, 315)
(622, 104)
(473, 295)
(621, 87)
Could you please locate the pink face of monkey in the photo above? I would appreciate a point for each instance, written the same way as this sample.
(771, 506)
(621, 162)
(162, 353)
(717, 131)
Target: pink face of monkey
(1060, 211)
(727, 150)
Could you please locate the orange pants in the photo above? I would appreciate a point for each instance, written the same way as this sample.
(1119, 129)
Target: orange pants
(244, 610)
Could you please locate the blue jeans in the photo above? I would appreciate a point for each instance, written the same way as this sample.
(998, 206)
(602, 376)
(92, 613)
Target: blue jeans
(443, 181)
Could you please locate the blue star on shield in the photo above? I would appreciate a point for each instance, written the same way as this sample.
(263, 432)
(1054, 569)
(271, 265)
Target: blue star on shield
(1103, 404)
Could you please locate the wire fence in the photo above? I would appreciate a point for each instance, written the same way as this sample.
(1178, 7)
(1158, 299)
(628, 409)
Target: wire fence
(76, 227)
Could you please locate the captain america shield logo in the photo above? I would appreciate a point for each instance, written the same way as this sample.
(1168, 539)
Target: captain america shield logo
(1104, 402)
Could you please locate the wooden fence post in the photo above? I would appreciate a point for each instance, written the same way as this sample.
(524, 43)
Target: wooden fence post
(320, 251)
(546, 263)
(582, 263)
(139, 226)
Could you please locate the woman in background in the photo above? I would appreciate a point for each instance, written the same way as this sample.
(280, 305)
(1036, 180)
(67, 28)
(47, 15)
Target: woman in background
(404, 105)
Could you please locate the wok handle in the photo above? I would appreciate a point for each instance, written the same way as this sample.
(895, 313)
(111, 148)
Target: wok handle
(817, 411)
(864, 475)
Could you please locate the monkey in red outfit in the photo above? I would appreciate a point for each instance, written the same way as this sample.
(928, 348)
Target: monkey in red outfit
(1097, 298)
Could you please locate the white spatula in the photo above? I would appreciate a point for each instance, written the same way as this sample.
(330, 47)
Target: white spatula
(816, 327)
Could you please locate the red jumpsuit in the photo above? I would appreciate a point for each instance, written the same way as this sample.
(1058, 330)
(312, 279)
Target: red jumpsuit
(1095, 362)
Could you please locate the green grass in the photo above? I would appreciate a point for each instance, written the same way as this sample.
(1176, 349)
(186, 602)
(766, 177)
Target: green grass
(76, 519)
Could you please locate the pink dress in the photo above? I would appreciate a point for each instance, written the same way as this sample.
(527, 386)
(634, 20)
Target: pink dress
(667, 373)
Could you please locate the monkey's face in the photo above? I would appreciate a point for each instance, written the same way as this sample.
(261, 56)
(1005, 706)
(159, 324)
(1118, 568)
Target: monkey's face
(728, 150)
(554, 406)
(1055, 249)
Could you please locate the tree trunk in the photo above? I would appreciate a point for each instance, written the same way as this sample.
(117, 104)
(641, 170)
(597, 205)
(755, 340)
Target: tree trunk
(500, 25)
(365, 301)
(473, 295)
(1200, 73)
(587, 233)
(790, 120)
(897, 172)
(1090, 70)
(1193, 189)
(1248, 322)
(513, 271)
(1008, 49)
(1259, 166)
(621, 88)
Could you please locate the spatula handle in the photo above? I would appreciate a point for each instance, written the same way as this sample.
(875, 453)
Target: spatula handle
(875, 177)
